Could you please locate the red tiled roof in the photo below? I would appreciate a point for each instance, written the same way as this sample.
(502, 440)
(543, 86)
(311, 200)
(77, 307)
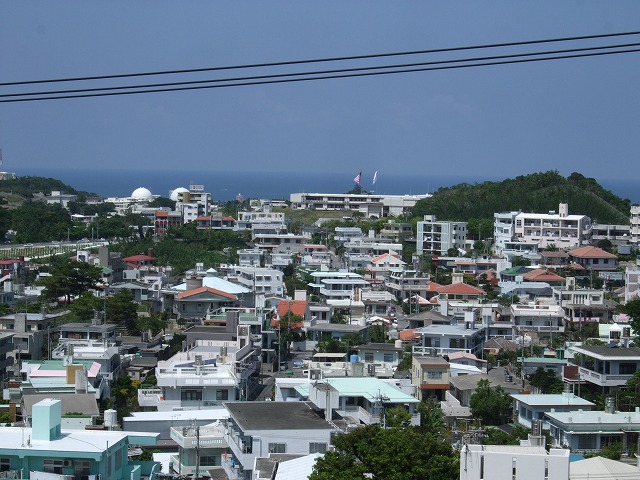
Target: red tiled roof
(203, 217)
(139, 258)
(298, 307)
(199, 290)
(228, 219)
(408, 335)
(162, 213)
(385, 255)
(461, 289)
(591, 252)
(317, 247)
(542, 275)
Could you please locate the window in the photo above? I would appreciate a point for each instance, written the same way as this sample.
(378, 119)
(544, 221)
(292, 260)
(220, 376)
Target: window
(434, 375)
(191, 395)
(277, 448)
(388, 357)
(627, 368)
(5, 464)
(317, 447)
(53, 466)
(368, 356)
(82, 467)
(222, 394)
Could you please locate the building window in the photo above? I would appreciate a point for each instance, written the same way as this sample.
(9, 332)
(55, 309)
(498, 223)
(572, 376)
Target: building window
(5, 464)
(368, 357)
(388, 357)
(222, 394)
(434, 375)
(53, 466)
(191, 395)
(277, 448)
(82, 467)
(317, 447)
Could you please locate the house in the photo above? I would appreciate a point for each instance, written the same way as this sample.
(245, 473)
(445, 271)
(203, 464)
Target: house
(355, 400)
(601, 468)
(383, 357)
(465, 336)
(31, 332)
(256, 429)
(463, 386)
(201, 450)
(380, 266)
(584, 305)
(44, 451)
(458, 290)
(529, 407)
(544, 319)
(405, 283)
(607, 368)
(589, 431)
(593, 258)
(193, 305)
(430, 376)
(543, 275)
(634, 220)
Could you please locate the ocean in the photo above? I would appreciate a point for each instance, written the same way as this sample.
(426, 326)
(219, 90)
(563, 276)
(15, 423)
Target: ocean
(274, 185)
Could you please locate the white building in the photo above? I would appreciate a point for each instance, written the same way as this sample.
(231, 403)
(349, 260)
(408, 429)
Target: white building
(369, 205)
(503, 229)
(635, 224)
(544, 319)
(559, 229)
(513, 462)
(436, 237)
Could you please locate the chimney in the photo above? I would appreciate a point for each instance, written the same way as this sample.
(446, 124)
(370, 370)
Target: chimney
(46, 419)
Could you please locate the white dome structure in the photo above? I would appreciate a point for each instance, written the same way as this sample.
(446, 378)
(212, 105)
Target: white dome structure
(141, 193)
(174, 193)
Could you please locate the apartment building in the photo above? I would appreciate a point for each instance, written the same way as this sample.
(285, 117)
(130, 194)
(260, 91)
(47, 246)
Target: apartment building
(634, 220)
(559, 229)
(436, 237)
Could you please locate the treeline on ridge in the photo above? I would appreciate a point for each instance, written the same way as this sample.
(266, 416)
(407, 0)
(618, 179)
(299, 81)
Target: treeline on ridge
(537, 192)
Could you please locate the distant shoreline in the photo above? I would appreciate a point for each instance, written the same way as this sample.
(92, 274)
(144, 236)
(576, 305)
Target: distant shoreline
(275, 185)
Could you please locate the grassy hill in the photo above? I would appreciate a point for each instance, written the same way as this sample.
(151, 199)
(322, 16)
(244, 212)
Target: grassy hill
(537, 192)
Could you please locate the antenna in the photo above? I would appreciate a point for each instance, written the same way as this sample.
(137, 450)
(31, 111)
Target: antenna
(0, 158)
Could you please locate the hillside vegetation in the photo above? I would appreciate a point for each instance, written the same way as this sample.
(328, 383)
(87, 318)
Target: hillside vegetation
(537, 192)
(27, 186)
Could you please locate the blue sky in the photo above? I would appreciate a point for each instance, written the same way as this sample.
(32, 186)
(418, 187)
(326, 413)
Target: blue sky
(571, 115)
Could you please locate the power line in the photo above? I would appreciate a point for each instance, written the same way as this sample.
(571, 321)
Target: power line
(327, 59)
(320, 72)
(314, 78)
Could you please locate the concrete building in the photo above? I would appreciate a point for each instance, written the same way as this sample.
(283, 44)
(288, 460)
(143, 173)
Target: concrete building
(607, 368)
(589, 431)
(559, 229)
(256, 429)
(430, 376)
(45, 452)
(368, 204)
(436, 237)
(634, 220)
(513, 462)
(530, 407)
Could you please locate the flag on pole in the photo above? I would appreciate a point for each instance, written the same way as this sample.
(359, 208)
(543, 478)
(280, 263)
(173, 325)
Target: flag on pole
(375, 177)
(358, 178)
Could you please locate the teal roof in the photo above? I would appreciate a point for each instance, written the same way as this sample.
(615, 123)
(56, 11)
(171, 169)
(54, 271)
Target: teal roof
(367, 387)
(545, 360)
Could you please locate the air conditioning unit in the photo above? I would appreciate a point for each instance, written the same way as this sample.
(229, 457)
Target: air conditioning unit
(67, 463)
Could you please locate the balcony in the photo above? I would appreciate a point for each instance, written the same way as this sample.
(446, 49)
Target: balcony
(602, 379)
(368, 418)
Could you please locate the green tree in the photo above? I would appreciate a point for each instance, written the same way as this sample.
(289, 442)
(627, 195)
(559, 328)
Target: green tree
(122, 310)
(431, 417)
(387, 454)
(491, 404)
(84, 307)
(632, 308)
(69, 279)
(397, 416)
(546, 380)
